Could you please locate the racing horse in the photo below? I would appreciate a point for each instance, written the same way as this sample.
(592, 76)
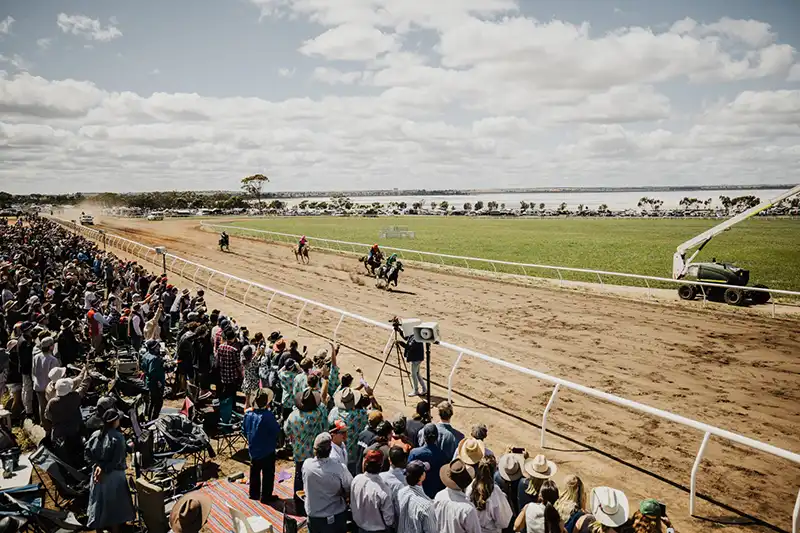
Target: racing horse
(225, 243)
(301, 256)
(372, 264)
(388, 275)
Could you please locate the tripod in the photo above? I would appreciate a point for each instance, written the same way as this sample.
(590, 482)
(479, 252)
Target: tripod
(401, 365)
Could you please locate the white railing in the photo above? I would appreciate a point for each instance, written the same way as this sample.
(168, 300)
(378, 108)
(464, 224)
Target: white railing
(173, 263)
(468, 262)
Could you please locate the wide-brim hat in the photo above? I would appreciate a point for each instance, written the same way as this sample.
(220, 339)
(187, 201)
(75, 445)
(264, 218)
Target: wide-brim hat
(471, 451)
(540, 467)
(610, 506)
(347, 398)
(270, 394)
(9, 304)
(307, 400)
(457, 475)
(509, 466)
(63, 387)
(190, 513)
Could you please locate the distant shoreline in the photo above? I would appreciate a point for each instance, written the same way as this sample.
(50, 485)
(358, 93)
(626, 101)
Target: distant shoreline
(527, 190)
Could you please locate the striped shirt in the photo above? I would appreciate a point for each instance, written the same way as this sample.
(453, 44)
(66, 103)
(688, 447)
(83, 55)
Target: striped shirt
(416, 511)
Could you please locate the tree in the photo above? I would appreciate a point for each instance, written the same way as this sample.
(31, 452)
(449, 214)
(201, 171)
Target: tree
(277, 205)
(707, 203)
(402, 205)
(523, 206)
(563, 207)
(444, 205)
(467, 206)
(417, 206)
(492, 206)
(502, 207)
(602, 209)
(541, 206)
(726, 203)
(433, 205)
(253, 185)
(303, 205)
(580, 209)
(478, 205)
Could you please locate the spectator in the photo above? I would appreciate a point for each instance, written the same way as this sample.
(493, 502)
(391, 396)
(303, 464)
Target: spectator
(338, 433)
(399, 437)
(152, 328)
(649, 517)
(191, 512)
(422, 415)
(494, 511)
(154, 377)
(69, 349)
(301, 380)
(367, 436)
(110, 503)
(610, 508)
(454, 512)
(301, 428)
(25, 345)
(415, 510)
(449, 437)
(509, 472)
(535, 472)
(286, 377)
(328, 482)
(136, 327)
(370, 498)
(571, 505)
(395, 477)
(541, 516)
(230, 374)
(54, 375)
(261, 430)
(430, 453)
(414, 353)
(381, 442)
(350, 411)
(480, 432)
(43, 362)
(250, 383)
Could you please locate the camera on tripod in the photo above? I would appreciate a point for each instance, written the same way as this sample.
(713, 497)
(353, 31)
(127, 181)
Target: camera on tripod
(405, 326)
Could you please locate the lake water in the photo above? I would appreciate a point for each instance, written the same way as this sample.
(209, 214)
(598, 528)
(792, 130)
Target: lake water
(614, 200)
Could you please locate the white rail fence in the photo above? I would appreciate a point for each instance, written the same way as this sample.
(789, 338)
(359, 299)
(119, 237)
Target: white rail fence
(179, 265)
(470, 262)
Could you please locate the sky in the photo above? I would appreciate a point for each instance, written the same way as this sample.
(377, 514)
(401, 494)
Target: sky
(107, 95)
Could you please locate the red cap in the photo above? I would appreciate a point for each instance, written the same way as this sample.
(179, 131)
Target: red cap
(373, 456)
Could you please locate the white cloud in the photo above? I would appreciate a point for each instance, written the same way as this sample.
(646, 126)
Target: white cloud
(350, 42)
(88, 28)
(15, 61)
(5, 25)
(44, 43)
(794, 73)
(284, 72)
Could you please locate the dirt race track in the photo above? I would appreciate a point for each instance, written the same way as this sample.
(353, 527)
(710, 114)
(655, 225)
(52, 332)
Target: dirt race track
(739, 373)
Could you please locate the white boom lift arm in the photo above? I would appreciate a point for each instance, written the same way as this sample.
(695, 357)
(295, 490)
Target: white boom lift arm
(679, 262)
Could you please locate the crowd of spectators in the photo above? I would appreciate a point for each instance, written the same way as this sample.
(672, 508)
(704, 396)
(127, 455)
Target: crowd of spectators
(66, 303)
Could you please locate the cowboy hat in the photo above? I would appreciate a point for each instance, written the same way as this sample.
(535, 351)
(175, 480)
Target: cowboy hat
(57, 373)
(346, 398)
(63, 387)
(9, 304)
(540, 467)
(264, 397)
(471, 451)
(190, 513)
(610, 506)
(456, 475)
(274, 336)
(510, 467)
(307, 400)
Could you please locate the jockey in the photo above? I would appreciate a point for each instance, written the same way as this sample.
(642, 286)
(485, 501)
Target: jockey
(374, 252)
(224, 237)
(392, 259)
(302, 244)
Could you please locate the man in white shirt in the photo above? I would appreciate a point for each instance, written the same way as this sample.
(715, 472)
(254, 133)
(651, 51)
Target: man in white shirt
(453, 510)
(326, 483)
(370, 498)
(338, 433)
(395, 478)
(43, 362)
(415, 514)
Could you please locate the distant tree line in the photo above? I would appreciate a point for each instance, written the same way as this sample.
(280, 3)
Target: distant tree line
(8, 199)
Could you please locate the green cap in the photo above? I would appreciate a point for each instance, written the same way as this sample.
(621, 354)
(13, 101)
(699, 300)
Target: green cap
(650, 507)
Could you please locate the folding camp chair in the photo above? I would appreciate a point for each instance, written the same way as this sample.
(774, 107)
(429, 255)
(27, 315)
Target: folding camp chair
(153, 507)
(71, 486)
(158, 468)
(229, 437)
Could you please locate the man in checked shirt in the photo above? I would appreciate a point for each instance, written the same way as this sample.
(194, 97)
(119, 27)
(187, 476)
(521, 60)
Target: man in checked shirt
(230, 374)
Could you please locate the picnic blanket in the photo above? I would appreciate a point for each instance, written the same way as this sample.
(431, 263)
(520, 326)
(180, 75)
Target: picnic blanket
(223, 493)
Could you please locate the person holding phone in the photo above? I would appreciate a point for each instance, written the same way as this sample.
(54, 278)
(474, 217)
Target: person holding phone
(650, 516)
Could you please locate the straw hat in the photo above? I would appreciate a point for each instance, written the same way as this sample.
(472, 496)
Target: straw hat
(510, 467)
(610, 506)
(471, 451)
(63, 387)
(346, 398)
(540, 467)
(190, 513)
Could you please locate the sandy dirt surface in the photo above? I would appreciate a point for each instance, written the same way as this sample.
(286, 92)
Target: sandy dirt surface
(739, 373)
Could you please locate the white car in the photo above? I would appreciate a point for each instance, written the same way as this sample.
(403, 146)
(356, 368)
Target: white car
(155, 216)
(87, 220)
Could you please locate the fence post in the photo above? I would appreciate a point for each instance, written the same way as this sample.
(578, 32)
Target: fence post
(466, 264)
(560, 278)
(695, 468)
(297, 322)
(599, 279)
(524, 272)
(546, 411)
(421, 260)
(450, 378)
(184, 268)
(336, 331)
(225, 290)
(269, 305)
(493, 267)
(208, 283)
(796, 515)
(244, 298)
(194, 278)
(649, 292)
(705, 296)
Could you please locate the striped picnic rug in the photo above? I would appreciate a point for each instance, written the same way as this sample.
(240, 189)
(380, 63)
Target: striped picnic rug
(223, 493)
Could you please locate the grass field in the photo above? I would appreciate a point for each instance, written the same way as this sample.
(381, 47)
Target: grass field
(769, 248)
